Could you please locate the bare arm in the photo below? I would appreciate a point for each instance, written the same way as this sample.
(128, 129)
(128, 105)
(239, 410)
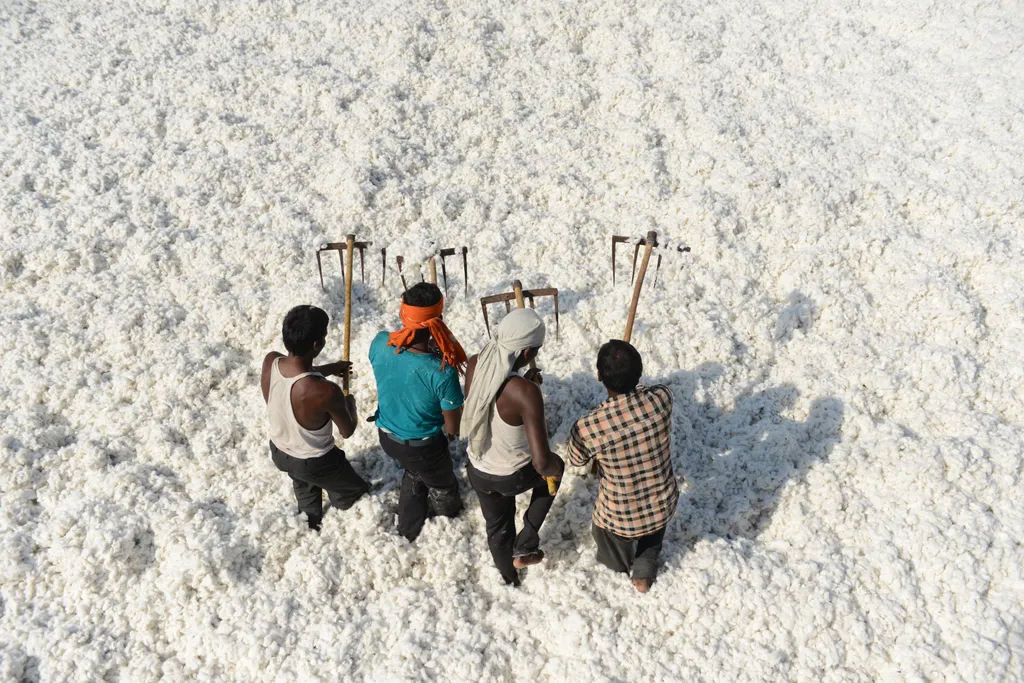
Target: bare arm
(338, 368)
(342, 409)
(268, 363)
(453, 418)
(531, 408)
(452, 421)
(470, 369)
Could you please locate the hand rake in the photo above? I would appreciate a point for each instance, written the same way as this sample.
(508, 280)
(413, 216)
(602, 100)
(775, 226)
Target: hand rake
(342, 248)
(648, 243)
(444, 253)
(651, 239)
(350, 244)
(519, 295)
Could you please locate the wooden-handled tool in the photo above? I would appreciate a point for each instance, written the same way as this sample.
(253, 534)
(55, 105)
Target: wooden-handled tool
(648, 243)
(432, 267)
(341, 248)
(652, 239)
(519, 295)
(517, 289)
(349, 247)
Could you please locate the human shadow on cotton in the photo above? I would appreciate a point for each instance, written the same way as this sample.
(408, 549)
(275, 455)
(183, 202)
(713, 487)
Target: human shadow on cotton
(732, 463)
(736, 462)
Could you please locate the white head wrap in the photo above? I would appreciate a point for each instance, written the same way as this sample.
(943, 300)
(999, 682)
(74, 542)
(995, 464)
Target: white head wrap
(519, 330)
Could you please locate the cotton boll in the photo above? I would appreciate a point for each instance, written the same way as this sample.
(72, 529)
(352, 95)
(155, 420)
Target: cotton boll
(13, 662)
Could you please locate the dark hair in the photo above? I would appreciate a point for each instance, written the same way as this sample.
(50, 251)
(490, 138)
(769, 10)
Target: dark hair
(303, 326)
(619, 366)
(422, 295)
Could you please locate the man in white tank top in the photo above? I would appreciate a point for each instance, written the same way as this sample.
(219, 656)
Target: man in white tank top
(508, 448)
(302, 409)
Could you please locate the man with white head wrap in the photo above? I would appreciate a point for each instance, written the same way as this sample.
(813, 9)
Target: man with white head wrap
(508, 449)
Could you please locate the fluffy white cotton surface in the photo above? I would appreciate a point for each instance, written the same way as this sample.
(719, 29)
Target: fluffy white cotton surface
(842, 343)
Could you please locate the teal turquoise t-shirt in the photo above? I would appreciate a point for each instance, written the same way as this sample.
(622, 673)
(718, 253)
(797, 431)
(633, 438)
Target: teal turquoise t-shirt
(412, 390)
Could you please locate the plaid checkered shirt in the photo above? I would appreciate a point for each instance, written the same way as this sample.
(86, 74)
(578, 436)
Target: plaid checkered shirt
(631, 437)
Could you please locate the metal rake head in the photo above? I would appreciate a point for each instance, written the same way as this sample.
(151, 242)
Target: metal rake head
(444, 253)
(519, 295)
(652, 239)
(341, 247)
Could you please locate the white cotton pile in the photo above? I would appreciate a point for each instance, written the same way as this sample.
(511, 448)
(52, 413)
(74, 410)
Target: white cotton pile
(842, 343)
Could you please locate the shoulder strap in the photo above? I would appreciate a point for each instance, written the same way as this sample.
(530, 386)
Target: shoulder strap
(503, 385)
(296, 378)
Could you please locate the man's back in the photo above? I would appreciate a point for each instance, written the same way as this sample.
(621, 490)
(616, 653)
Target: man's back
(296, 408)
(631, 437)
(412, 390)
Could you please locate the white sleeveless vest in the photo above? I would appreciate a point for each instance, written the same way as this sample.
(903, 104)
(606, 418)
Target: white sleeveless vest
(285, 431)
(506, 451)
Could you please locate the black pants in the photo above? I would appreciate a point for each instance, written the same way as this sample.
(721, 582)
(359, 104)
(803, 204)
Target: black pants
(429, 486)
(310, 476)
(497, 496)
(623, 554)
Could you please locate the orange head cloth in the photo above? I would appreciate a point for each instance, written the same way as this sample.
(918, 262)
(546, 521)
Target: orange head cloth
(416, 318)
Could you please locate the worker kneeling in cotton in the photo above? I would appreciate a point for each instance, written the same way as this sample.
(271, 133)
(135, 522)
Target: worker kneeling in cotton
(508, 448)
(630, 435)
(301, 407)
(418, 398)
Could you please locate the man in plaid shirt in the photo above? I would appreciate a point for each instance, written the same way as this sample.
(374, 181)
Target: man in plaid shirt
(630, 435)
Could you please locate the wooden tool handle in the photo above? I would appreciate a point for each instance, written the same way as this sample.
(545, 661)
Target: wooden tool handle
(433, 270)
(349, 249)
(517, 287)
(652, 237)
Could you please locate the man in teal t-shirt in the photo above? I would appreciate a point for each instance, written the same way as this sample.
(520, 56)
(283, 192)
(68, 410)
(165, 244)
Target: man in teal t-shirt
(413, 392)
(419, 399)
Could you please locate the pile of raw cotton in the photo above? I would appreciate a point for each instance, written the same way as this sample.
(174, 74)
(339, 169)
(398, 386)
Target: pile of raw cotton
(842, 343)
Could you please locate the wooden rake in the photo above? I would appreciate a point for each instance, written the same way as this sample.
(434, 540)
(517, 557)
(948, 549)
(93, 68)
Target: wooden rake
(432, 263)
(350, 245)
(649, 243)
(342, 248)
(652, 240)
(519, 295)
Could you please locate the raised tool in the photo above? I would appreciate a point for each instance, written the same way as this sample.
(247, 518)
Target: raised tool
(652, 240)
(350, 243)
(519, 295)
(649, 243)
(432, 265)
(342, 248)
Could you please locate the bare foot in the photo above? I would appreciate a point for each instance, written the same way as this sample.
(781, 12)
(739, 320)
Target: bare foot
(527, 560)
(643, 585)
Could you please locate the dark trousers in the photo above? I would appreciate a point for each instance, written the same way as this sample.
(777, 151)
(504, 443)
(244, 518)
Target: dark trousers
(429, 486)
(623, 554)
(310, 476)
(497, 496)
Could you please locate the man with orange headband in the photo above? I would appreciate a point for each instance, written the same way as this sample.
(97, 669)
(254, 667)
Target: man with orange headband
(418, 400)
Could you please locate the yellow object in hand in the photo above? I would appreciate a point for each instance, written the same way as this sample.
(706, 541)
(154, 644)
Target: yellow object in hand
(553, 483)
